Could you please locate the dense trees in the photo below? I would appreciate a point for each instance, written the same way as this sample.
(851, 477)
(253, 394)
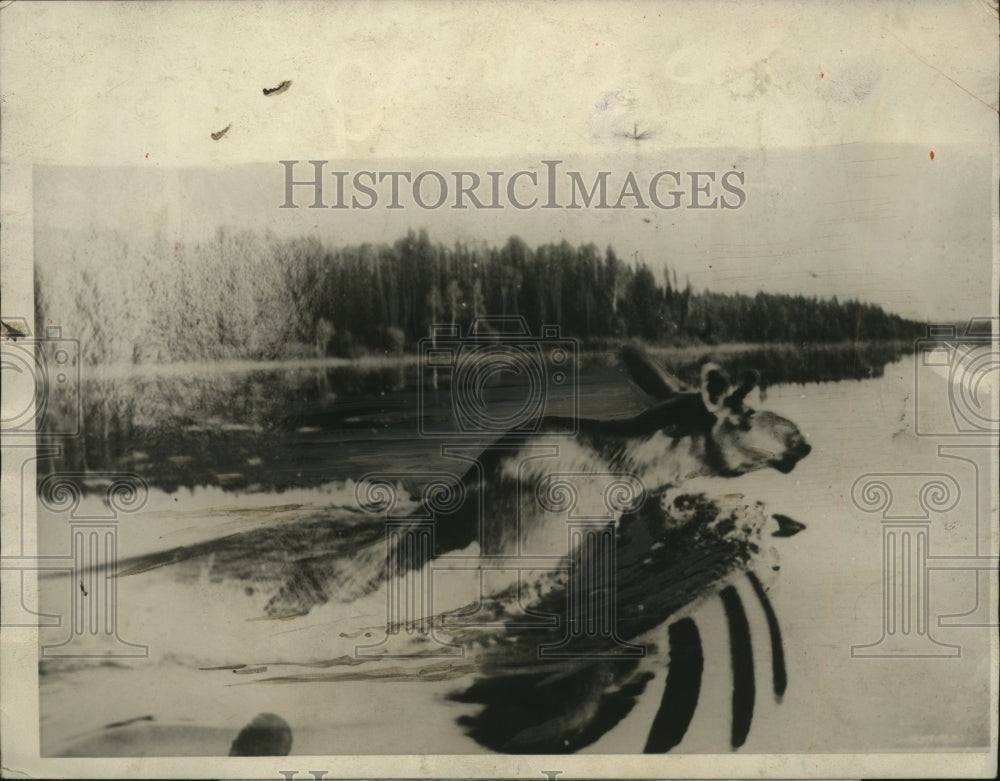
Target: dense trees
(365, 291)
(252, 296)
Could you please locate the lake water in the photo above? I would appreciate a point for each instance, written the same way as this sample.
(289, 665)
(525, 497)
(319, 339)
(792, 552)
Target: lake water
(213, 662)
(281, 425)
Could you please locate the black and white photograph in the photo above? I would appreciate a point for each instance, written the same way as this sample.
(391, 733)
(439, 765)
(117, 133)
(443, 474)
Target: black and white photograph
(509, 390)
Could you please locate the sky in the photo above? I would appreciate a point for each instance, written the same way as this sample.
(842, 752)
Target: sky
(883, 223)
(831, 109)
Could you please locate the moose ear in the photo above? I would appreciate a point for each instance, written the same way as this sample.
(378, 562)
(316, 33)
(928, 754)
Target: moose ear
(750, 380)
(714, 386)
(653, 379)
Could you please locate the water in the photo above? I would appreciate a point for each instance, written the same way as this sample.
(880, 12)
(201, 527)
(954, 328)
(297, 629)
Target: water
(213, 662)
(247, 427)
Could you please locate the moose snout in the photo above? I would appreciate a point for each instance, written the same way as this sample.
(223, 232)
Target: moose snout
(794, 453)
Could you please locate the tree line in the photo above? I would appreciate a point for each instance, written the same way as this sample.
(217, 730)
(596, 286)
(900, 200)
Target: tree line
(388, 297)
(256, 296)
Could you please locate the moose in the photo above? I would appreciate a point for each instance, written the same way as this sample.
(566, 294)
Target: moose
(683, 433)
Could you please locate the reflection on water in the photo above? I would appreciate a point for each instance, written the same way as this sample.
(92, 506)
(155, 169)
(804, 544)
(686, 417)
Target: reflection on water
(303, 425)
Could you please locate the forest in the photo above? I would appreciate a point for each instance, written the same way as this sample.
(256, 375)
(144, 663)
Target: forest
(255, 296)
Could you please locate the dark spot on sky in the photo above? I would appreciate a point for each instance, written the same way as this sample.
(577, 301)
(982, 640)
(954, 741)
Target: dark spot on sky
(13, 332)
(268, 91)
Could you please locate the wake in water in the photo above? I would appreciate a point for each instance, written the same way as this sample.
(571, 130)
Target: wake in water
(535, 675)
(288, 562)
(546, 690)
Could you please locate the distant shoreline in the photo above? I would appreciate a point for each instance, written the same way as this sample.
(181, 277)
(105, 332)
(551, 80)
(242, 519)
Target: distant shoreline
(374, 362)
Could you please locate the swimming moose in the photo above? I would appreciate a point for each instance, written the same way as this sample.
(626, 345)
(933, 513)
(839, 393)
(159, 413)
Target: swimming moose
(683, 434)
